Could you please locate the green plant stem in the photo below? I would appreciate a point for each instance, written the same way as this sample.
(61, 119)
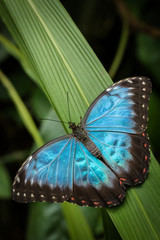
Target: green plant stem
(21, 109)
(120, 51)
(16, 53)
(75, 218)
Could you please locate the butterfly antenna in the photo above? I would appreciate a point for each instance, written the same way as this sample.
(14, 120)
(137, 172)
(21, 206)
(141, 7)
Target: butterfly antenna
(53, 120)
(68, 107)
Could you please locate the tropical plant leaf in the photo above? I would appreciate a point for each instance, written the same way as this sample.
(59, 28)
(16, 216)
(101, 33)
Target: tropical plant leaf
(15, 52)
(141, 208)
(21, 109)
(63, 61)
(75, 219)
(58, 43)
(46, 222)
(5, 182)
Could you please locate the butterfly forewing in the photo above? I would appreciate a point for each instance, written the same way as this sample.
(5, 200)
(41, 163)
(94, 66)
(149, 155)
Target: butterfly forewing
(121, 108)
(47, 174)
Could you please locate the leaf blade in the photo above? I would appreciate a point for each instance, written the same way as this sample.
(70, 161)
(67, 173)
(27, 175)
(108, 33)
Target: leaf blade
(89, 72)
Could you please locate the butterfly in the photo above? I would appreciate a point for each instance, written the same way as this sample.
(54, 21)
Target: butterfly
(108, 150)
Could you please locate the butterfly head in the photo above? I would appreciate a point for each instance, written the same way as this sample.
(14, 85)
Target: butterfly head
(72, 125)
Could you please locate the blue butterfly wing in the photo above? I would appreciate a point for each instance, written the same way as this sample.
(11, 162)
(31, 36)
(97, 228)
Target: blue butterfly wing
(47, 174)
(116, 122)
(64, 170)
(95, 184)
(127, 155)
(123, 107)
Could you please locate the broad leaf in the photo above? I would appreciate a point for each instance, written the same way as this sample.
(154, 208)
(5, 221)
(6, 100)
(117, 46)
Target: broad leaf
(62, 62)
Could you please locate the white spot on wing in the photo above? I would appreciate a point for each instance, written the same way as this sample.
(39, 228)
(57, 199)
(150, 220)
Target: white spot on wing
(130, 81)
(24, 194)
(31, 181)
(29, 158)
(18, 179)
(108, 89)
(130, 94)
(18, 194)
(116, 87)
(133, 113)
(32, 195)
(131, 102)
(40, 183)
(42, 196)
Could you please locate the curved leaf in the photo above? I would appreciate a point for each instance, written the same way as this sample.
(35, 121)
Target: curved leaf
(5, 182)
(62, 61)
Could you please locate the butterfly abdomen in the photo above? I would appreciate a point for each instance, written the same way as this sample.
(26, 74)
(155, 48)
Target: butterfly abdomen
(81, 134)
(92, 148)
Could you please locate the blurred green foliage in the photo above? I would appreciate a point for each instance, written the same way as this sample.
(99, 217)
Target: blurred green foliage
(100, 22)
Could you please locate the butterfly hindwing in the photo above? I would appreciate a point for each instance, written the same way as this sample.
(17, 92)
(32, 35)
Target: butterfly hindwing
(94, 183)
(127, 155)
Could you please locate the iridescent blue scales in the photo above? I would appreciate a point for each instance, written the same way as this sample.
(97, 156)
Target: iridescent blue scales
(106, 151)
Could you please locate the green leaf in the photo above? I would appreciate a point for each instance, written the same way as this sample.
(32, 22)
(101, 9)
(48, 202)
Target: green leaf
(52, 44)
(63, 61)
(21, 109)
(5, 182)
(15, 52)
(74, 220)
(139, 215)
(46, 127)
(110, 232)
(46, 222)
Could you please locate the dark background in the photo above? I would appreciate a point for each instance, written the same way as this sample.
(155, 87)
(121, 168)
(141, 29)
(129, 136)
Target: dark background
(101, 24)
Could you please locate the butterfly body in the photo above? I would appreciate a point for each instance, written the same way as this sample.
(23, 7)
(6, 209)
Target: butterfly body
(80, 133)
(106, 151)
